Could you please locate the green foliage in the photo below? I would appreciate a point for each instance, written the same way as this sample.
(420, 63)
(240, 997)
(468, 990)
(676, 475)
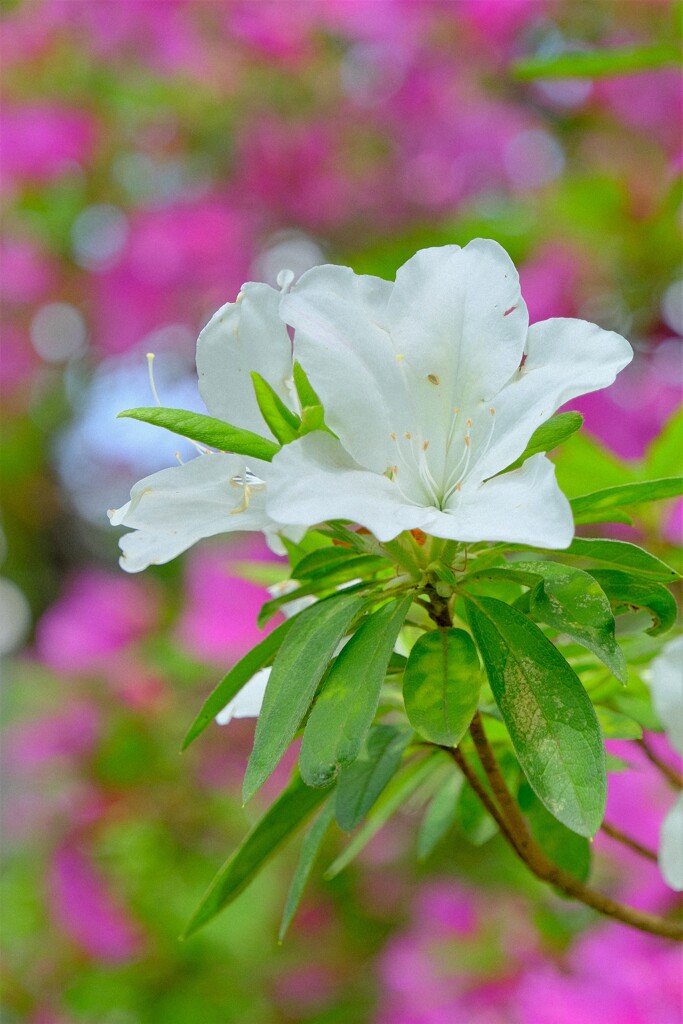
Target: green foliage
(346, 705)
(360, 784)
(440, 816)
(283, 423)
(441, 685)
(564, 847)
(238, 676)
(401, 787)
(596, 63)
(629, 593)
(551, 721)
(206, 430)
(601, 505)
(298, 668)
(281, 819)
(310, 849)
(549, 435)
(621, 554)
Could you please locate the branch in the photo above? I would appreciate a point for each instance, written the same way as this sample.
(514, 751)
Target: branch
(629, 841)
(543, 868)
(670, 774)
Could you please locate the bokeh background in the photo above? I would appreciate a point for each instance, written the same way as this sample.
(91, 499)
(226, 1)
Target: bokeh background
(155, 155)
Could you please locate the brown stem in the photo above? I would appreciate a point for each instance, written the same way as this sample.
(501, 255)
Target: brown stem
(625, 840)
(513, 826)
(670, 774)
(543, 868)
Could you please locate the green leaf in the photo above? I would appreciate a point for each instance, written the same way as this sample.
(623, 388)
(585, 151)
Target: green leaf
(329, 559)
(310, 848)
(292, 807)
(346, 705)
(617, 726)
(401, 787)
(601, 502)
(361, 783)
(629, 593)
(298, 668)
(283, 423)
(549, 435)
(440, 816)
(351, 569)
(573, 602)
(596, 63)
(207, 430)
(621, 555)
(560, 844)
(441, 685)
(665, 453)
(238, 676)
(551, 721)
(307, 396)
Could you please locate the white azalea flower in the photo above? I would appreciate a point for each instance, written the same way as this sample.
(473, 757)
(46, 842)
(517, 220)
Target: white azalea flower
(666, 686)
(217, 492)
(433, 385)
(171, 510)
(671, 847)
(247, 703)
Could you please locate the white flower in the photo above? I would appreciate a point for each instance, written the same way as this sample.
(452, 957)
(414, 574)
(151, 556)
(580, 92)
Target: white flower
(666, 685)
(433, 385)
(216, 492)
(247, 703)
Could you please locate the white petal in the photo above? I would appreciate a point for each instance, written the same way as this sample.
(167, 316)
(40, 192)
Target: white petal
(247, 703)
(459, 314)
(171, 510)
(314, 479)
(523, 507)
(666, 684)
(244, 336)
(343, 346)
(671, 847)
(565, 358)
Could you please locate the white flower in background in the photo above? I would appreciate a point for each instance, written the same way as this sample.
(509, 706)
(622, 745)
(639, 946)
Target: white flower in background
(433, 385)
(666, 684)
(216, 493)
(247, 703)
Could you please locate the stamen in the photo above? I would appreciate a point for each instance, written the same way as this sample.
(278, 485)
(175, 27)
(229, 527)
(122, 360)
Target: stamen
(177, 455)
(433, 379)
(285, 280)
(150, 370)
(408, 435)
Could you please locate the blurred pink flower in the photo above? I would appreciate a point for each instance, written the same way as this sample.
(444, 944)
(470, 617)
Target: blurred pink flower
(40, 141)
(218, 621)
(645, 102)
(549, 282)
(97, 615)
(181, 262)
(84, 909)
(72, 732)
(500, 22)
(27, 273)
(18, 359)
(630, 414)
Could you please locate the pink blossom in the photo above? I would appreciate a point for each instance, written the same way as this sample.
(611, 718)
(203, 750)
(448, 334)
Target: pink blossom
(499, 22)
(646, 102)
(72, 732)
(549, 282)
(27, 273)
(84, 909)
(181, 262)
(41, 141)
(218, 621)
(97, 615)
(18, 359)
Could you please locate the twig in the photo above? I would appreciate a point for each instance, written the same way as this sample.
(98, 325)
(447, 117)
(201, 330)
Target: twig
(629, 841)
(670, 774)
